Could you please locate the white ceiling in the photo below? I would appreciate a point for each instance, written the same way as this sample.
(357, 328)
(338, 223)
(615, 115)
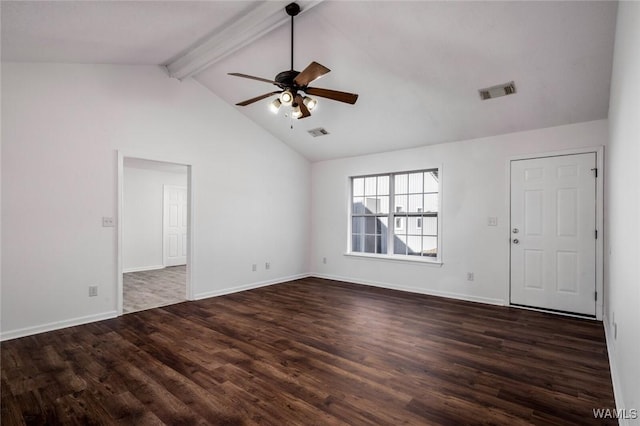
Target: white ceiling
(417, 65)
(110, 32)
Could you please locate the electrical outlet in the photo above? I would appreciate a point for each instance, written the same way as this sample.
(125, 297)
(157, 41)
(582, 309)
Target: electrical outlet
(267, 265)
(470, 276)
(108, 222)
(93, 290)
(254, 267)
(324, 260)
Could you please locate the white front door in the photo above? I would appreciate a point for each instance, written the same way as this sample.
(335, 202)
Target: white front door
(553, 233)
(175, 225)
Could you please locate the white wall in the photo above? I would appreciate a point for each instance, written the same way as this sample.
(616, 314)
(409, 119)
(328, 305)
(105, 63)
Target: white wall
(143, 212)
(61, 127)
(475, 186)
(623, 210)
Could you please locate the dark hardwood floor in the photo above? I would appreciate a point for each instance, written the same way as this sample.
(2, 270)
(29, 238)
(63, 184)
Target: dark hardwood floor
(312, 352)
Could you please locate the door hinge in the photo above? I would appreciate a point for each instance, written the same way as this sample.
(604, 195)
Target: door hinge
(596, 295)
(596, 232)
(595, 171)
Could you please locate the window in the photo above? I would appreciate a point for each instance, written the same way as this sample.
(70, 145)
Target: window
(408, 201)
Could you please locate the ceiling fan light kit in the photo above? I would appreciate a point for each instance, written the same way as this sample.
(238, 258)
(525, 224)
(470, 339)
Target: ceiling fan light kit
(294, 85)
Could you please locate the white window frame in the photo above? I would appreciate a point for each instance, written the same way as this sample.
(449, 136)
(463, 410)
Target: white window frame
(437, 260)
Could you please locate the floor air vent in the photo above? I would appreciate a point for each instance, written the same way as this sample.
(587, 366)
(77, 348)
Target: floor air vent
(497, 91)
(320, 131)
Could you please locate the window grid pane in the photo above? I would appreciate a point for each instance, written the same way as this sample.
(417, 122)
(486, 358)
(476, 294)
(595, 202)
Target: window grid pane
(383, 185)
(431, 202)
(384, 204)
(430, 182)
(370, 187)
(401, 202)
(414, 245)
(358, 187)
(415, 183)
(400, 244)
(415, 203)
(401, 183)
(356, 242)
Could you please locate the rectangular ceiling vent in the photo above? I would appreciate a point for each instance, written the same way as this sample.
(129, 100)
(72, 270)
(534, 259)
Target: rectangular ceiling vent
(497, 91)
(318, 132)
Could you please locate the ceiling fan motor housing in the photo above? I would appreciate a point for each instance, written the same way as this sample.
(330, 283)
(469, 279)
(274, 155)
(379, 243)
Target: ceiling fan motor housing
(285, 79)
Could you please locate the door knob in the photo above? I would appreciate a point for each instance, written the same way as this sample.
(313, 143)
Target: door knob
(515, 230)
(516, 241)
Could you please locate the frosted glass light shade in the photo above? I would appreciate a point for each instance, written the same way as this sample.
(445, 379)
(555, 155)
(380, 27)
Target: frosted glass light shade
(295, 112)
(310, 103)
(275, 106)
(286, 97)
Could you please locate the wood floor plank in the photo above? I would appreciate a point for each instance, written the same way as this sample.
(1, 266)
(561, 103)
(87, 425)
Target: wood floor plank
(312, 352)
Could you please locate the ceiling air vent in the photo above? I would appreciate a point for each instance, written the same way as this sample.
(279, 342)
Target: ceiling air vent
(497, 91)
(318, 132)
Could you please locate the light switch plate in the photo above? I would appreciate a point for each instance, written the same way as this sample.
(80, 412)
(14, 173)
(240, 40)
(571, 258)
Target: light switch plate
(492, 221)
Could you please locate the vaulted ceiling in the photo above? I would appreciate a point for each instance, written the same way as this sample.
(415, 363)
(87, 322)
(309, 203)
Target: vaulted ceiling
(417, 65)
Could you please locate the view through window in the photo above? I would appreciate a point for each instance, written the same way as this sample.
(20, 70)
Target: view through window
(408, 201)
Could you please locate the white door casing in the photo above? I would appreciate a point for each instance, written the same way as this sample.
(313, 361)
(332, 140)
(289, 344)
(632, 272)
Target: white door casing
(175, 225)
(553, 233)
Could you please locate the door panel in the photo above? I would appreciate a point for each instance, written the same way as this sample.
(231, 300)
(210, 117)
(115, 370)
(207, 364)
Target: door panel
(175, 225)
(553, 222)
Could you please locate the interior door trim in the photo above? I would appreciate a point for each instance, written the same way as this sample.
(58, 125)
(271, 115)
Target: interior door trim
(599, 151)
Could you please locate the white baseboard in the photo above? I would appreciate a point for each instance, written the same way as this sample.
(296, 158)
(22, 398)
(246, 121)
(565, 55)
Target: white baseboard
(230, 290)
(468, 298)
(615, 378)
(142, 269)
(28, 331)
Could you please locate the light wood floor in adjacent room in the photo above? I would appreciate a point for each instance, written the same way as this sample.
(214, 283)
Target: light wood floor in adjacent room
(312, 352)
(152, 289)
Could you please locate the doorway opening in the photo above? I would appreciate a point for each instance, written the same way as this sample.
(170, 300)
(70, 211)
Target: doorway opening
(154, 234)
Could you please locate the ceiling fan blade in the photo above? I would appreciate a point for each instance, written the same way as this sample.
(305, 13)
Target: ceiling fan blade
(349, 98)
(312, 72)
(237, 74)
(303, 107)
(257, 98)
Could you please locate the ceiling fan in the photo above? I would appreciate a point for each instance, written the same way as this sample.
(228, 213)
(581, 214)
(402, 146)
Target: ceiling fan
(294, 85)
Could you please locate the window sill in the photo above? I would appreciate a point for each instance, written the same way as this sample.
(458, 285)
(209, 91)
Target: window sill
(396, 258)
